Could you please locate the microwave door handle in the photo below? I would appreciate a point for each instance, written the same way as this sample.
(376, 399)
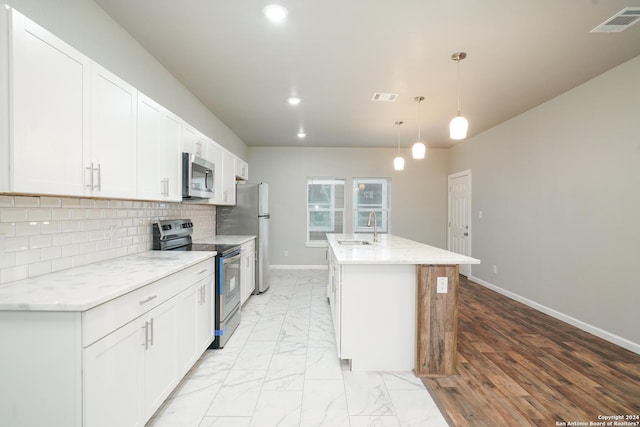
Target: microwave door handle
(207, 172)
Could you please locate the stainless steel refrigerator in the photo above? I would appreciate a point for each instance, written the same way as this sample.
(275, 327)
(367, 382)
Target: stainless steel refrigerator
(250, 216)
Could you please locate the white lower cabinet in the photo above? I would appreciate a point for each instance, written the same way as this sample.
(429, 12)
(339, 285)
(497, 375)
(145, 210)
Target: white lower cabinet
(334, 292)
(247, 270)
(112, 365)
(129, 373)
(196, 320)
(113, 378)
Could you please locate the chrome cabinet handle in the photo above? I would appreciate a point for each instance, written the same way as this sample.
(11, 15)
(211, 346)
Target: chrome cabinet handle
(151, 327)
(164, 187)
(90, 170)
(99, 186)
(146, 300)
(204, 270)
(145, 344)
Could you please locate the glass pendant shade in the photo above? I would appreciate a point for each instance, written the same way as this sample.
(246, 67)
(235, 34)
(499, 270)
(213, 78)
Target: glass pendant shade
(398, 163)
(458, 127)
(418, 150)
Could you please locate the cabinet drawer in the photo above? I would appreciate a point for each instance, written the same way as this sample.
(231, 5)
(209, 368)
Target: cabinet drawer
(197, 272)
(106, 318)
(249, 246)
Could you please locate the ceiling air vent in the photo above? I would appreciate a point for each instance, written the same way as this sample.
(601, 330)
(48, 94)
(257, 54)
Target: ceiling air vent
(387, 97)
(620, 21)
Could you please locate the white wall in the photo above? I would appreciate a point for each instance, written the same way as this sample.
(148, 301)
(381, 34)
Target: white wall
(418, 200)
(86, 27)
(559, 190)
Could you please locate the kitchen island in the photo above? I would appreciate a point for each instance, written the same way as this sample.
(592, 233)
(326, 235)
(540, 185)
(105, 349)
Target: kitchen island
(377, 301)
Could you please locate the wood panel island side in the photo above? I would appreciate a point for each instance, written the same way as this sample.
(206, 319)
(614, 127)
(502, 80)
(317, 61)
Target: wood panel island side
(394, 303)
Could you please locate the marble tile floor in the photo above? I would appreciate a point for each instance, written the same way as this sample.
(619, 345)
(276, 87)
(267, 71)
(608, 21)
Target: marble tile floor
(280, 368)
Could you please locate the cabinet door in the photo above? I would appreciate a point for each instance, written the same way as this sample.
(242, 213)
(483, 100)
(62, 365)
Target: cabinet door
(161, 356)
(170, 156)
(158, 147)
(335, 298)
(247, 276)
(113, 378)
(215, 157)
(49, 99)
(188, 327)
(150, 184)
(195, 142)
(241, 169)
(228, 179)
(205, 314)
(113, 134)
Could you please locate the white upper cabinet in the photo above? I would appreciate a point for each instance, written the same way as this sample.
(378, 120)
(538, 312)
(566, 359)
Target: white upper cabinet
(242, 169)
(70, 127)
(194, 142)
(112, 160)
(228, 178)
(224, 175)
(159, 139)
(47, 88)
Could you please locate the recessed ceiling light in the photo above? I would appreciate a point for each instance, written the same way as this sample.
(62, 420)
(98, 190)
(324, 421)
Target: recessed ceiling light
(294, 100)
(301, 134)
(275, 13)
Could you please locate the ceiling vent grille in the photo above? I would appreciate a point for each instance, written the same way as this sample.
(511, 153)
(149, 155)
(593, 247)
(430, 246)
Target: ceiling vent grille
(620, 21)
(385, 97)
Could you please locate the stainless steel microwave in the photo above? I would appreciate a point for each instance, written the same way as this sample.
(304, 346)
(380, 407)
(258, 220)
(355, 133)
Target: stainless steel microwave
(197, 177)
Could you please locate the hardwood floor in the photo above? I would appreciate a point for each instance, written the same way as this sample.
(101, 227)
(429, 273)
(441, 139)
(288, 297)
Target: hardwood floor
(519, 367)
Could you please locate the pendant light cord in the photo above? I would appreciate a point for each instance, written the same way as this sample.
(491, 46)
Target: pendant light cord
(398, 123)
(419, 122)
(458, 61)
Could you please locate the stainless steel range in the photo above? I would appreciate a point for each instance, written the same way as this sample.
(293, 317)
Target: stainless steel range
(175, 235)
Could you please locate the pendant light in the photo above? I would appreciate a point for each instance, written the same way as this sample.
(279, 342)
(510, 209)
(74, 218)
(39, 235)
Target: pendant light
(398, 162)
(459, 125)
(418, 150)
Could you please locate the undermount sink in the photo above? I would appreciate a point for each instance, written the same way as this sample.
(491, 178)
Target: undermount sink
(354, 242)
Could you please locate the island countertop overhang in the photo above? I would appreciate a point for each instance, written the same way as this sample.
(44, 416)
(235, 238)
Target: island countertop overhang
(391, 249)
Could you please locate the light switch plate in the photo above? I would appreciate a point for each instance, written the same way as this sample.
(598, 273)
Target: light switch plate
(442, 285)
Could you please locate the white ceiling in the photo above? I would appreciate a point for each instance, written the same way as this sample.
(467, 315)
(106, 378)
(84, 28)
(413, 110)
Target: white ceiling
(335, 54)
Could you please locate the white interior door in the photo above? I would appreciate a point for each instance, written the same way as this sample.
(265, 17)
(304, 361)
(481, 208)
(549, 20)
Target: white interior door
(459, 236)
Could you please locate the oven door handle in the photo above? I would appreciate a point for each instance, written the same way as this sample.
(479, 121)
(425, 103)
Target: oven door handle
(231, 258)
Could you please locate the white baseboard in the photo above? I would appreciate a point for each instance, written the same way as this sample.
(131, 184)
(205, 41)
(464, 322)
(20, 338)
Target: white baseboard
(622, 342)
(299, 267)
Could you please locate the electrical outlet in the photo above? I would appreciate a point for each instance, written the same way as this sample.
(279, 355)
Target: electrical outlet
(286, 253)
(495, 269)
(442, 285)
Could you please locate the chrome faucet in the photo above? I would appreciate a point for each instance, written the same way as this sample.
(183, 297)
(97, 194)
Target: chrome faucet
(375, 225)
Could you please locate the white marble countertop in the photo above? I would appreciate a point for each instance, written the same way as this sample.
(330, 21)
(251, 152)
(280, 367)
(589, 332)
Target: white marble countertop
(82, 288)
(392, 249)
(225, 239)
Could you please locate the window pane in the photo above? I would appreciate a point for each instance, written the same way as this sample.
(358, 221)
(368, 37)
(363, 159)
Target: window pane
(362, 219)
(320, 194)
(325, 208)
(371, 195)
